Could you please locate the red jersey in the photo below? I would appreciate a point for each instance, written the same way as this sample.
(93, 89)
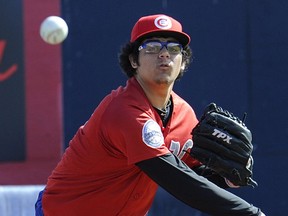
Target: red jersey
(97, 174)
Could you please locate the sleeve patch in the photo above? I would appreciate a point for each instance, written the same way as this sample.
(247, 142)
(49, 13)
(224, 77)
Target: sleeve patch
(152, 135)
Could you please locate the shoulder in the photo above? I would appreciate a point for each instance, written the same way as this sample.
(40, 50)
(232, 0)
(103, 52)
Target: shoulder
(181, 105)
(126, 104)
(183, 112)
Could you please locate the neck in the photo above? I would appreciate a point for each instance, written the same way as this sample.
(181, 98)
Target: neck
(158, 94)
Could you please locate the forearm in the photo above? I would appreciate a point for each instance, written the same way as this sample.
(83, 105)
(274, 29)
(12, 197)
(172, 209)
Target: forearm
(194, 190)
(211, 176)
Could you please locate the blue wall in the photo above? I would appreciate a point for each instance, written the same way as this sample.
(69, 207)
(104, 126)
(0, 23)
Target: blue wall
(240, 62)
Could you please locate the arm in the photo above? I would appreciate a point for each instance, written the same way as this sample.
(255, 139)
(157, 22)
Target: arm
(212, 176)
(196, 191)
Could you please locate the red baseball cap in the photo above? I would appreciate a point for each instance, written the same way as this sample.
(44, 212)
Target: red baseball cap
(159, 25)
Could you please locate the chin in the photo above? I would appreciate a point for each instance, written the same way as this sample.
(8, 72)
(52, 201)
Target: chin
(165, 81)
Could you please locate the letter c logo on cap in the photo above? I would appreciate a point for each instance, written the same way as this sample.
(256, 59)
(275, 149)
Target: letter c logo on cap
(163, 22)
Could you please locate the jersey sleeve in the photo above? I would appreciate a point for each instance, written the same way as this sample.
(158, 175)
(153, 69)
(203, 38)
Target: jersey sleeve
(135, 133)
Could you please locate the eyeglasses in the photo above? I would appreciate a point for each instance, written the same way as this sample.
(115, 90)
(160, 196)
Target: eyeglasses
(155, 47)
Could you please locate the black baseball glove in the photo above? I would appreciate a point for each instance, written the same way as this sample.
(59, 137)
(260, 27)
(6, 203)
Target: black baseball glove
(222, 143)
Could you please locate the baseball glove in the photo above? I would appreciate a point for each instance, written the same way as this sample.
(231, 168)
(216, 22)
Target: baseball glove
(222, 143)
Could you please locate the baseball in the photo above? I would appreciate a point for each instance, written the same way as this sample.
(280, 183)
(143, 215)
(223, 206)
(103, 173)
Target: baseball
(53, 30)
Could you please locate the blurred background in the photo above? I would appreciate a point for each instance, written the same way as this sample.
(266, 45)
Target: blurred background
(240, 50)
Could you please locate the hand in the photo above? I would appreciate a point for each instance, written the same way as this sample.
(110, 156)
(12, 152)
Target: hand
(223, 143)
(230, 184)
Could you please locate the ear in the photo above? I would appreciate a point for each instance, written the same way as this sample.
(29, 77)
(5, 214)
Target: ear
(133, 62)
(183, 66)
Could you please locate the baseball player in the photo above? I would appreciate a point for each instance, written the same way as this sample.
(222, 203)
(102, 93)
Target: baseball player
(138, 138)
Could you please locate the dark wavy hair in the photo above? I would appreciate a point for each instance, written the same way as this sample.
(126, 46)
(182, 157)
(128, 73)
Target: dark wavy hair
(131, 48)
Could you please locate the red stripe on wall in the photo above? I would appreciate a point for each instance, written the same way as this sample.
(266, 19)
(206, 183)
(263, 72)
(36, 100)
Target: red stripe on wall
(43, 83)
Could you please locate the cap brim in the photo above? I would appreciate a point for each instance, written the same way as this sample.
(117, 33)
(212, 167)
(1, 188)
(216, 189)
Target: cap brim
(182, 37)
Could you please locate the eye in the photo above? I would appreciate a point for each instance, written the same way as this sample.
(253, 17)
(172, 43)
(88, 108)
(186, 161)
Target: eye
(174, 47)
(153, 47)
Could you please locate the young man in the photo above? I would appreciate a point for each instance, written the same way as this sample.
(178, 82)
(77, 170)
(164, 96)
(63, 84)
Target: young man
(138, 138)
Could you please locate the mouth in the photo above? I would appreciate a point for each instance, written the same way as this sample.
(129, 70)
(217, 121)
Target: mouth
(164, 65)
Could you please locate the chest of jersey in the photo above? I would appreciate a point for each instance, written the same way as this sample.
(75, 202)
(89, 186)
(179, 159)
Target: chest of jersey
(177, 133)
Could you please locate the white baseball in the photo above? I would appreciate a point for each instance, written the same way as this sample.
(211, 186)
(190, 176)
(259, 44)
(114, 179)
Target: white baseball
(53, 30)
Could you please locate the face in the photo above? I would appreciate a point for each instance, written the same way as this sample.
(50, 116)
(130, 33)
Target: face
(158, 67)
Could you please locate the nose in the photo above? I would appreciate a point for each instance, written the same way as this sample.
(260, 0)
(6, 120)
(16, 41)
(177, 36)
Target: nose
(164, 53)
